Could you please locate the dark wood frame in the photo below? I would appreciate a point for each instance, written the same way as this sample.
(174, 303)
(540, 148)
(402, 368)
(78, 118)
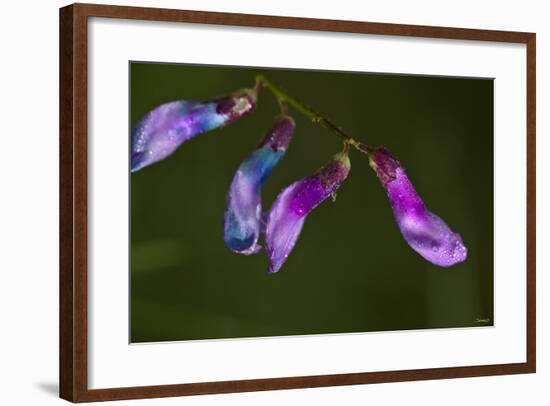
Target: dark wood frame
(73, 202)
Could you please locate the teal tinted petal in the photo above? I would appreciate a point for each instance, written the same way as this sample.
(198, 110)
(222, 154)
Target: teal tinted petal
(243, 214)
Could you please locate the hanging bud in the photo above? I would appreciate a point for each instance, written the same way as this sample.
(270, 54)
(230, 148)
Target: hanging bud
(425, 232)
(161, 131)
(243, 214)
(286, 217)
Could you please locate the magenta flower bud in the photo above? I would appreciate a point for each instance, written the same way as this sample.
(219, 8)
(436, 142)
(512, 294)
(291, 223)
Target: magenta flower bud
(161, 131)
(243, 214)
(425, 232)
(290, 209)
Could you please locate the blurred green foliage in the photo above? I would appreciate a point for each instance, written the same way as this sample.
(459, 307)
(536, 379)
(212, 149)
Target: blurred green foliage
(351, 271)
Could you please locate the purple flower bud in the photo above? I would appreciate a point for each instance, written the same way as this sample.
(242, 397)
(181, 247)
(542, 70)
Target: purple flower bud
(161, 131)
(425, 232)
(288, 213)
(243, 214)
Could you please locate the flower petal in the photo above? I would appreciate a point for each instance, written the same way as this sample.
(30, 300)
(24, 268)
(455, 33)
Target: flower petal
(288, 213)
(161, 131)
(243, 214)
(425, 232)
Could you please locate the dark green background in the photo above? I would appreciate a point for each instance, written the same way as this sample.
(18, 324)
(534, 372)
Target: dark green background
(351, 271)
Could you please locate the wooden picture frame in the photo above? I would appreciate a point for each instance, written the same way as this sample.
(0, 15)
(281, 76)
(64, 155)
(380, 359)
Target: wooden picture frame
(74, 201)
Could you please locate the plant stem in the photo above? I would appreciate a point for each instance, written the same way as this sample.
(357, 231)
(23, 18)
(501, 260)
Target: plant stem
(284, 98)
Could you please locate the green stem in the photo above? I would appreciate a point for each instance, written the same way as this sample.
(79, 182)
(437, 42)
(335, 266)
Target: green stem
(284, 98)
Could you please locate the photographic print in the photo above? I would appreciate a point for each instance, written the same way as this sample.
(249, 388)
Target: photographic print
(307, 204)
(284, 202)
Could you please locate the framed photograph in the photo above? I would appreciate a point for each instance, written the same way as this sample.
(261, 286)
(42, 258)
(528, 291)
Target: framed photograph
(255, 202)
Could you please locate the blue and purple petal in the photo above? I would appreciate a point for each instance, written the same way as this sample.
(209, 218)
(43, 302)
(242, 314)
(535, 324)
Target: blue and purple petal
(289, 211)
(425, 232)
(243, 214)
(161, 131)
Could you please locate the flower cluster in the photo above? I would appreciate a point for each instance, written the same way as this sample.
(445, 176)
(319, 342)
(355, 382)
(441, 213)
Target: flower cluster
(165, 128)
